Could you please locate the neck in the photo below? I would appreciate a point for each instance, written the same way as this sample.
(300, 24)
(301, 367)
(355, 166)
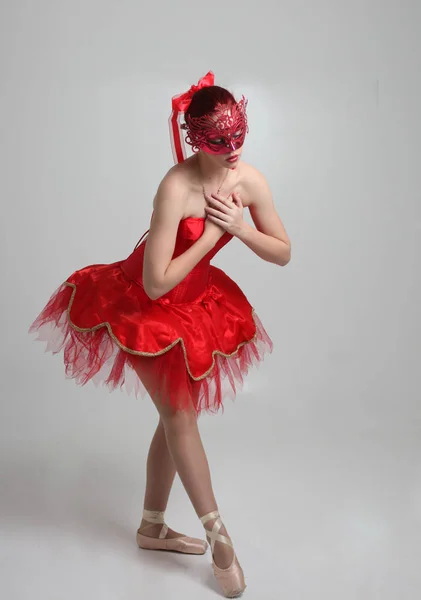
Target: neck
(210, 171)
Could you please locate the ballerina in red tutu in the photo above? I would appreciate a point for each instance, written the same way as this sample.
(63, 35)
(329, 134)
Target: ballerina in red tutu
(167, 322)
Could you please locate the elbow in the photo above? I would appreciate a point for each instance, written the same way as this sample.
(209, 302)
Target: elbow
(285, 256)
(152, 286)
(153, 293)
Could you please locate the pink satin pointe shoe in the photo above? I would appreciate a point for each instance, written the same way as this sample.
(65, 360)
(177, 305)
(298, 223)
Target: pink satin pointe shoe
(187, 545)
(230, 579)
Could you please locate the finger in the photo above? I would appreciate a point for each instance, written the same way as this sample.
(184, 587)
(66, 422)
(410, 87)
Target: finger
(217, 221)
(237, 198)
(219, 198)
(220, 204)
(216, 213)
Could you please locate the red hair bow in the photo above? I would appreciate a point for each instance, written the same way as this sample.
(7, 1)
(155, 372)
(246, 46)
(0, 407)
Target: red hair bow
(180, 104)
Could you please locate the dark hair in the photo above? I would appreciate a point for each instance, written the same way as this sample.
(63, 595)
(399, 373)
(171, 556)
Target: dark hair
(205, 100)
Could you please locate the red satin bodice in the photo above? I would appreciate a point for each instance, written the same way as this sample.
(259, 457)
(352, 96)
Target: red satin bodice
(194, 284)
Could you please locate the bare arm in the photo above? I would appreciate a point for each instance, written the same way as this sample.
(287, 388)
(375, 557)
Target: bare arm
(160, 273)
(269, 240)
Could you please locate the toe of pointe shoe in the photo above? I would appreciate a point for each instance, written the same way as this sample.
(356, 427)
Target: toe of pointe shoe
(231, 579)
(185, 544)
(188, 545)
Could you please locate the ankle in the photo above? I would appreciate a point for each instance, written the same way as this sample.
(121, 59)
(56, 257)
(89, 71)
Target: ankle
(222, 530)
(153, 523)
(221, 544)
(150, 529)
(213, 524)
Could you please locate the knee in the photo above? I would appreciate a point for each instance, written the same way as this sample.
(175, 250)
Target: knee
(179, 421)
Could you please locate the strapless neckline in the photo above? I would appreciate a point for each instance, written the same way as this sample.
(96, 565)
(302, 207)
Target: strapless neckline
(193, 219)
(189, 218)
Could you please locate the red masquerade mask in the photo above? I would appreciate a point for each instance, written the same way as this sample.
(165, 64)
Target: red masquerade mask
(219, 133)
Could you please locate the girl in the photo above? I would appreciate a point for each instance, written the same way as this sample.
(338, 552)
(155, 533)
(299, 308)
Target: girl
(166, 321)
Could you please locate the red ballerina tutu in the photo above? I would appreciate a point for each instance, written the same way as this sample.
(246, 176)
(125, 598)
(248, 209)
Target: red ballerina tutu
(193, 345)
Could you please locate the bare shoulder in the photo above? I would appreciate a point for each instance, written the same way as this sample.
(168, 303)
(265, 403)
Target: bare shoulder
(253, 186)
(171, 190)
(252, 179)
(173, 180)
(258, 198)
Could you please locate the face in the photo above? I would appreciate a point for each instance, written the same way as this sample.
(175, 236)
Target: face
(228, 158)
(221, 134)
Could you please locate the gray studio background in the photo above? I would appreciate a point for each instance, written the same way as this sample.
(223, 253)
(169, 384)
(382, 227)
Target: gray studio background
(316, 467)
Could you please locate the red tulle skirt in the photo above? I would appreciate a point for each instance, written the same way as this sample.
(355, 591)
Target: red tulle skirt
(183, 354)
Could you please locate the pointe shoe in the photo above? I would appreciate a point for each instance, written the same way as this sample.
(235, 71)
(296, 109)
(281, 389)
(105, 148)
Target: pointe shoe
(187, 545)
(230, 579)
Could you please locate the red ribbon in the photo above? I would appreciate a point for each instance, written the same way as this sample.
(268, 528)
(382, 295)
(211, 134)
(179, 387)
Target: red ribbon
(180, 104)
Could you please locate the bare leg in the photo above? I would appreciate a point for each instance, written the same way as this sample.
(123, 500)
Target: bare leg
(160, 473)
(189, 456)
(187, 452)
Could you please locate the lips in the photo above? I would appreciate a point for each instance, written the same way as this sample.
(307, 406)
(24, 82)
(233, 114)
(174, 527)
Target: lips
(232, 158)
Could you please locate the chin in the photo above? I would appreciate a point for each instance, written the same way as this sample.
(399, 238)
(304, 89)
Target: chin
(232, 165)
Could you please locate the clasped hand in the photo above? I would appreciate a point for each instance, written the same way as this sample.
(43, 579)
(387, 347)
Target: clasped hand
(227, 213)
